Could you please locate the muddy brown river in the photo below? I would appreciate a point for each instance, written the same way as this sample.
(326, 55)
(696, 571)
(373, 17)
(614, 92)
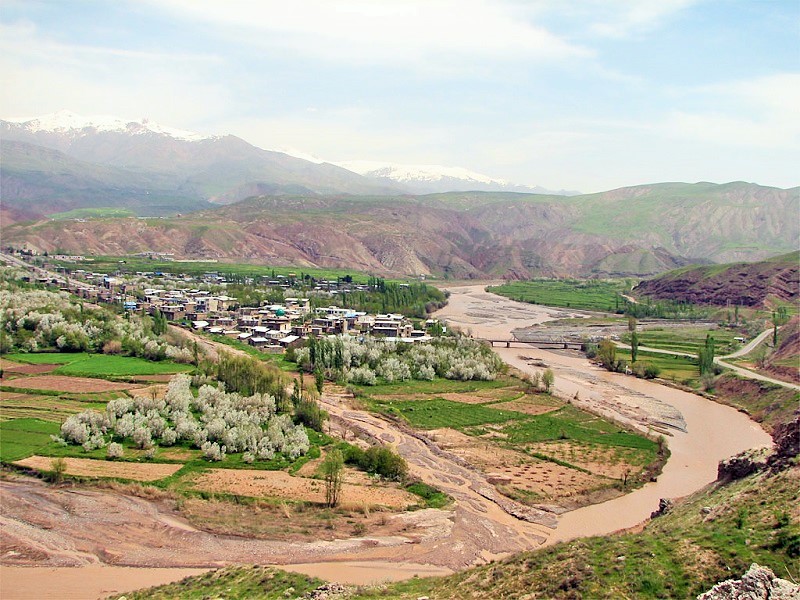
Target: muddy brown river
(699, 433)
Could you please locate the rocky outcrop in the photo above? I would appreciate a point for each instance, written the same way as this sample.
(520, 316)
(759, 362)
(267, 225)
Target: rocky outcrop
(757, 584)
(664, 506)
(787, 444)
(743, 464)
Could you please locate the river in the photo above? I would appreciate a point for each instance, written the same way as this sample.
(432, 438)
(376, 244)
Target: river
(712, 431)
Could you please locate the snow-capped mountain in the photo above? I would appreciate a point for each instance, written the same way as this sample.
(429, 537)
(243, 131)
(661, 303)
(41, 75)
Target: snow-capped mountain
(62, 161)
(428, 179)
(69, 123)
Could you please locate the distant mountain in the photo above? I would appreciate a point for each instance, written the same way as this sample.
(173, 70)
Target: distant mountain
(219, 169)
(638, 231)
(38, 181)
(745, 284)
(428, 179)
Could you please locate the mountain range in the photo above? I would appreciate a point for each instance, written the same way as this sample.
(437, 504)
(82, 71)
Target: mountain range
(67, 161)
(220, 197)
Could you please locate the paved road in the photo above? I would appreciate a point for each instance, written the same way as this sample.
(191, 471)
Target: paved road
(720, 360)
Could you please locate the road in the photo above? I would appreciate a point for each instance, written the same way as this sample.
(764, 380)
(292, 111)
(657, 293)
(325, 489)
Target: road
(720, 360)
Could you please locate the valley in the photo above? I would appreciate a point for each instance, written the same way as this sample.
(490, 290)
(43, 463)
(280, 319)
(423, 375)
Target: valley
(477, 526)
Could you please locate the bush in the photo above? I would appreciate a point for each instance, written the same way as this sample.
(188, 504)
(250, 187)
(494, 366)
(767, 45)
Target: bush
(309, 413)
(114, 451)
(213, 451)
(112, 347)
(378, 460)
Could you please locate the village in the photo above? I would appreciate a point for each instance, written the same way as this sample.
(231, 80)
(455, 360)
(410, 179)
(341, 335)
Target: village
(199, 303)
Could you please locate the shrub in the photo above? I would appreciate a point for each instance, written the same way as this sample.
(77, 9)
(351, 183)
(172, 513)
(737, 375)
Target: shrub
(213, 451)
(114, 451)
(112, 347)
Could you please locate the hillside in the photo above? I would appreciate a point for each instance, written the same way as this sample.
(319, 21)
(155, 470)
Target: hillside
(744, 284)
(714, 535)
(38, 181)
(220, 169)
(460, 234)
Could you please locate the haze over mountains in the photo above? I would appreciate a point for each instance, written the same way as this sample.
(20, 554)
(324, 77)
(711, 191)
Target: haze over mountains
(280, 209)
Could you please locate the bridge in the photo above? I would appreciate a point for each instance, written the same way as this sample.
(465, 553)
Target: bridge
(542, 343)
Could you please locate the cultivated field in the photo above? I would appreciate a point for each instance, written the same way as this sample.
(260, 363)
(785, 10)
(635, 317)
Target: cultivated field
(279, 484)
(87, 467)
(63, 383)
(600, 295)
(534, 446)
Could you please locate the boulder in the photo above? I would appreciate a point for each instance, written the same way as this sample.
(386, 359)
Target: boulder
(757, 584)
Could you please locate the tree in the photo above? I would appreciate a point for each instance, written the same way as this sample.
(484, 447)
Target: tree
(333, 471)
(319, 379)
(634, 346)
(778, 318)
(607, 353)
(58, 466)
(548, 378)
(705, 356)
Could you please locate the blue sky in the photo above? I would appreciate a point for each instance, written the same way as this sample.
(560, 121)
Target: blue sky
(586, 95)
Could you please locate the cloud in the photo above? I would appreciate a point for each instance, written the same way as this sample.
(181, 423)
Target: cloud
(623, 18)
(759, 112)
(39, 75)
(420, 33)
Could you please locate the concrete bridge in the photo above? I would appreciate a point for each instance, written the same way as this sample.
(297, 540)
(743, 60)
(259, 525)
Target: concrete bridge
(543, 343)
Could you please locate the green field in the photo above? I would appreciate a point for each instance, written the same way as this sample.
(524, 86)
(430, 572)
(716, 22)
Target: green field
(437, 386)
(24, 437)
(674, 368)
(573, 424)
(93, 213)
(100, 365)
(589, 294)
(687, 339)
(131, 264)
(437, 413)
(424, 408)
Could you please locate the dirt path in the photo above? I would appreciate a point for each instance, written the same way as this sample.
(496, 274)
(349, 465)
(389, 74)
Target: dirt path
(211, 348)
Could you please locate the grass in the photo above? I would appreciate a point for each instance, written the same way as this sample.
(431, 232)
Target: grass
(675, 368)
(437, 386)
(44, 407)
(111, 264)
(569, 423)
(686, 339)
(432, 497)
(24, 437)
(513, 430)
(93, 213)
(99, 365)
(437, 413)
(234, 583)
(592, 294)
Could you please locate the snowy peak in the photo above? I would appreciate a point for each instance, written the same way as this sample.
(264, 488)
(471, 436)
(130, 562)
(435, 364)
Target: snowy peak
(66, 122)
(414, 173)
(428, 179)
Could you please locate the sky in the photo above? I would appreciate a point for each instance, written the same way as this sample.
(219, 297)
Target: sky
(585, 95)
